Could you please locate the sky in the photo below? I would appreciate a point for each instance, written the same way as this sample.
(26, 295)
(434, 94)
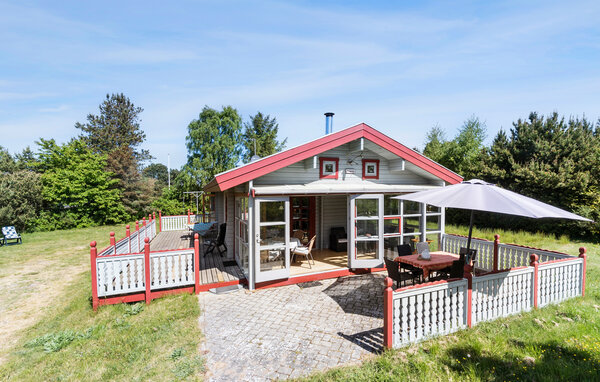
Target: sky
(401, 67)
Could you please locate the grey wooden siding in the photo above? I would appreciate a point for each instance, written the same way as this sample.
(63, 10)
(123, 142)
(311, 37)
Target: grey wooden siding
(335, 214)
(350, 160)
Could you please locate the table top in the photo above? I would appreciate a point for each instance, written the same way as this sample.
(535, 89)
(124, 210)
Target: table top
(437, 258)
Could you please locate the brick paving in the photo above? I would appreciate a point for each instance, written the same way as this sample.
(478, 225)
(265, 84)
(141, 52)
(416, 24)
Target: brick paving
(292, 331)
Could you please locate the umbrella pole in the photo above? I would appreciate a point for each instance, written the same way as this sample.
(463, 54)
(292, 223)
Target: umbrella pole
(470, 230)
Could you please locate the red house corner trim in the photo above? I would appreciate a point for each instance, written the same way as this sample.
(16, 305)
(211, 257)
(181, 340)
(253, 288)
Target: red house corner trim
(365, 162)
(329, 176)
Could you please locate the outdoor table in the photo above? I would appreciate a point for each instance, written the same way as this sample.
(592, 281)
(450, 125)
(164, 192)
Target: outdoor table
(439, 260)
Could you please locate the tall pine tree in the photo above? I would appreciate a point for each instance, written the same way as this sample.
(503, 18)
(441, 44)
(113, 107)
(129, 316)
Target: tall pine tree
(261, 132)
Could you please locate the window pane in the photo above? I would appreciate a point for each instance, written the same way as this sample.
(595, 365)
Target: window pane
(391, 225)
(272, 235)
(433, 223)
(434, 241)
(390, 245)
(272, 211)
(272, 259)
(366, 250)
(412, 240)
(245, 255)
(391, 206)
(367, 228)
(367, 207)
(412, 224)
(433, 209)
(411, 207)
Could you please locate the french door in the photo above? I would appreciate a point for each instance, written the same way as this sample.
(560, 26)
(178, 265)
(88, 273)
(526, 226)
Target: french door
(365, 231)
(272, 239)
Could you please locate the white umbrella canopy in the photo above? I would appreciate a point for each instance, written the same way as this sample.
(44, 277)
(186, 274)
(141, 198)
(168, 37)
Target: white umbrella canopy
(478, 195)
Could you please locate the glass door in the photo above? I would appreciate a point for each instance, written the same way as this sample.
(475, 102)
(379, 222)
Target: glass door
(272, 239)
(366, 231)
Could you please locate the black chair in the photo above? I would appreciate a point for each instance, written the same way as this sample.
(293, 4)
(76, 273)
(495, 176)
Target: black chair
(416, 273)
(338, 240)
(470, 256)
(394, 272)
(218, 244)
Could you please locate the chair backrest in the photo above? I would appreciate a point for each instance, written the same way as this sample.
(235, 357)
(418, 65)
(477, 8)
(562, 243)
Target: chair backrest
(457, 269)
(9, 232)
(338, 231)
(311, 243)
(404, 250)
(468, 255)
(392, 269)
(222, 231)
(298, 234)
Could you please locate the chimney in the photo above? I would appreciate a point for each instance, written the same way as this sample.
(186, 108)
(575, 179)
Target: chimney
(328, 123)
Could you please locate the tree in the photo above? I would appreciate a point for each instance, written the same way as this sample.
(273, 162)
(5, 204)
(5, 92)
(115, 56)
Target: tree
(169, 203)
(462, 154)
(261, 130)
(20, 199)
(160, 172)
(214, 145)
(77, 189)
(116, 133)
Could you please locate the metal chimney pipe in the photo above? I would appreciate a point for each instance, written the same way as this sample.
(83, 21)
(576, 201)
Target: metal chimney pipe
(328, 123)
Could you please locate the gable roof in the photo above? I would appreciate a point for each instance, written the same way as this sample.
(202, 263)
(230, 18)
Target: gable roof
(253, 170)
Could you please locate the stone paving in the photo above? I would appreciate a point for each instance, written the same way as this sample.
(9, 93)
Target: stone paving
(291, 331)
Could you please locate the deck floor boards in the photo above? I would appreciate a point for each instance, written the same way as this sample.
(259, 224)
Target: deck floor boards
(212, 269)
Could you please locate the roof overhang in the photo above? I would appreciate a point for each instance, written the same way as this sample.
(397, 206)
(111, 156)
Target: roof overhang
(335, 188)
(253, 170)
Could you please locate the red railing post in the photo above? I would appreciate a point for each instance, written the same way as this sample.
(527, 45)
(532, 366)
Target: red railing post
(159, 221)
(388, 318)
(496, 250)
(583, 255)
(128, 234)
(535, 264)
(113, 242)
(469, 300)
(147, 270)
(137, 228)
(93, 256)
(197, 262)
(189, 219)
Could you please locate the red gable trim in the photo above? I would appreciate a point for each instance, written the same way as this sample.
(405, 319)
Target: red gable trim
(280, 160)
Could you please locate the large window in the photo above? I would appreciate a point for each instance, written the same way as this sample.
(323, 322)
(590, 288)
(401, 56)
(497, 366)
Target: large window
(366, 228)
(434, 221)
(392, 226)
(242, 251)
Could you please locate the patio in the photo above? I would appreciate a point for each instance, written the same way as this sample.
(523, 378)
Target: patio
(294, 330)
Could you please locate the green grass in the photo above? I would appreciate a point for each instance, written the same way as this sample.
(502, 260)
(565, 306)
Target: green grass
(69, 341)
(559, 342)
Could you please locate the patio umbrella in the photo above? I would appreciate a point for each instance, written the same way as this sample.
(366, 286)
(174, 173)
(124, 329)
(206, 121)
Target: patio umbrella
(477, 195)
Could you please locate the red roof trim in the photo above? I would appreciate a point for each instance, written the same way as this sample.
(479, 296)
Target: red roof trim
(280, 160)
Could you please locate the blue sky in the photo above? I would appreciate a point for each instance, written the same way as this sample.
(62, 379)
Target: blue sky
(401, 67)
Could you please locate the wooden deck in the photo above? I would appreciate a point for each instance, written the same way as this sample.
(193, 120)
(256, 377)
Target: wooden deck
(213, 273)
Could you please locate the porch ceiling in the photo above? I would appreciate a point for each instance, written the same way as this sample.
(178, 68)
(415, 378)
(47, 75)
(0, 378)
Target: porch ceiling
(333, 188)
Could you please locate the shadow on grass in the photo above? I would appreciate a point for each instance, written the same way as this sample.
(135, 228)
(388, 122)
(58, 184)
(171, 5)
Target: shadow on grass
(554, 361)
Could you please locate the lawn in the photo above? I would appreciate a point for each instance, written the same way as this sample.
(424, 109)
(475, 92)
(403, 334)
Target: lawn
(55, 335)
(559, 342)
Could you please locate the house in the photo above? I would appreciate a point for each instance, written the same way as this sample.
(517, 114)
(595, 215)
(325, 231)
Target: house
(335, 186)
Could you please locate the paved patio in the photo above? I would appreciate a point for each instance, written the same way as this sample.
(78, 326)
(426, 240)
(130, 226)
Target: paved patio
(292, 331)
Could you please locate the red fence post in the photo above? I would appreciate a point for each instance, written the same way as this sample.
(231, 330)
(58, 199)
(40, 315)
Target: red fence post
(159, 221)
(388, 318)
(197, 262)
(147, 270)
(113, 242)
(469, 276)
(496, 245)
(93, 255)
(128, 234)
(189, 220)
(535, 264)
(583, 255)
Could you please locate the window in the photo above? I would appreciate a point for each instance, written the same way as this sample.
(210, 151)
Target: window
(392, 226)
(241, 234)
(328, 168)
(370, 168)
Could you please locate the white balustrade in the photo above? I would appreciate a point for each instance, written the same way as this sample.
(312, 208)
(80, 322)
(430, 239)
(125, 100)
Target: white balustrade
(560, 281)
(174, 223)
(120, 274)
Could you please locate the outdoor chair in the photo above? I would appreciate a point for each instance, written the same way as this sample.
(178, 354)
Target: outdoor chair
(455, 271)
(469, 255)
(306, 251)
(338, 240)
(219, 243)
(10, 233)
(394, 273)
(415, 273)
